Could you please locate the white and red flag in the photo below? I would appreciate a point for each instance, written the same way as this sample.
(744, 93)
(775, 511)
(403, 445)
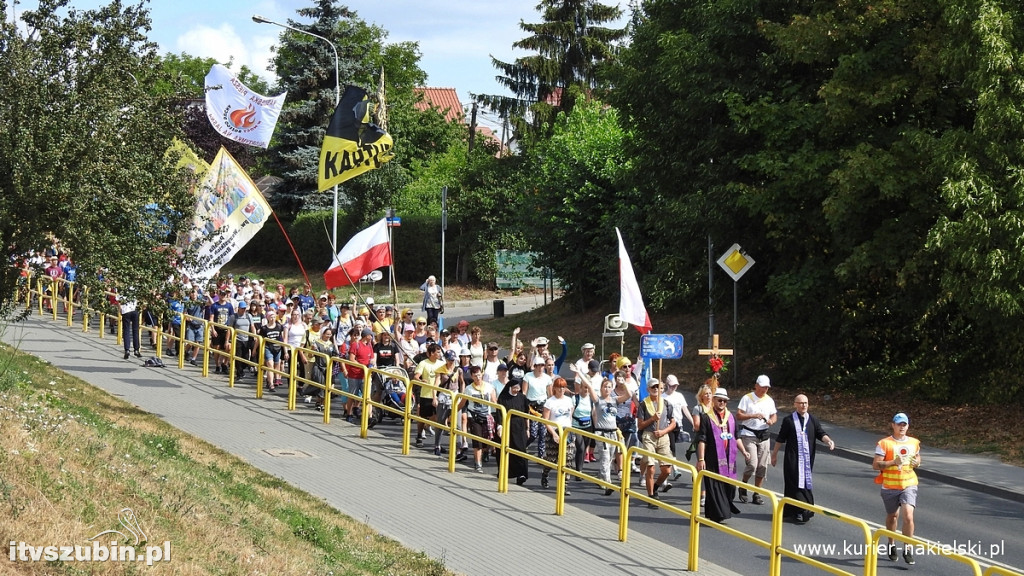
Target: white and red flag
(363, 254)
(631, 303)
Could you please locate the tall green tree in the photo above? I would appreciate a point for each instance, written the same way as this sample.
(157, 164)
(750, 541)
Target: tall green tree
(570, 46)
(577, 193)
(83, 146)
(867, 155)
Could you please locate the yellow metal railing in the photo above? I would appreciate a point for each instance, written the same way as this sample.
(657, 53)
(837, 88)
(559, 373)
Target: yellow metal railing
(776, 551)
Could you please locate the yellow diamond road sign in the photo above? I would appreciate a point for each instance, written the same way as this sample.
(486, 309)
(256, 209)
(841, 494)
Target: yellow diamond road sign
(735, 262)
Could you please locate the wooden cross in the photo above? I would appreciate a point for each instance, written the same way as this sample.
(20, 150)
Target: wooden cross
(714, 350)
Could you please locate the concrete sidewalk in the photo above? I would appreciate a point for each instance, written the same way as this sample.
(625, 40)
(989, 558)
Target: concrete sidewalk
(458, 518)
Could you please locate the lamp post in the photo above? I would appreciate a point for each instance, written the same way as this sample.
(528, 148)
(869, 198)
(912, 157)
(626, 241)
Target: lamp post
(337, 98)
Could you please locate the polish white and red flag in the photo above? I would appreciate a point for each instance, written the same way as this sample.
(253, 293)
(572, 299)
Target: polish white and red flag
(631, 303)
(364, 253)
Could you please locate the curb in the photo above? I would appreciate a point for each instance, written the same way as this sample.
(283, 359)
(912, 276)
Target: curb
(924, 472)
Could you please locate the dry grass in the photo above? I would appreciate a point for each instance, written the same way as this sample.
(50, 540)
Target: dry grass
(72, 456)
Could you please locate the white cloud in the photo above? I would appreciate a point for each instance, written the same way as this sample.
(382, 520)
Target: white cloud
(224, 43)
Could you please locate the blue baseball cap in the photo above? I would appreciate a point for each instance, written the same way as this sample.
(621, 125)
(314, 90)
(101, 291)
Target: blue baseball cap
(900, 418)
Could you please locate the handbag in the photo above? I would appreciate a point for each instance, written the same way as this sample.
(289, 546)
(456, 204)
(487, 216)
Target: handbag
(692, 449)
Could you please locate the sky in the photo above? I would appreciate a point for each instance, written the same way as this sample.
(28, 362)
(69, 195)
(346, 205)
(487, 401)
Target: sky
(456, 37)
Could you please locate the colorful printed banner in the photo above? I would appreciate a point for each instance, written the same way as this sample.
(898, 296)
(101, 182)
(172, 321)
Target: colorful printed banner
(230, 210)
(239, 113)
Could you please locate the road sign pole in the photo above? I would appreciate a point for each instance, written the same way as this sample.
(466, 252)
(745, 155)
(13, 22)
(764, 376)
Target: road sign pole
(735, 342)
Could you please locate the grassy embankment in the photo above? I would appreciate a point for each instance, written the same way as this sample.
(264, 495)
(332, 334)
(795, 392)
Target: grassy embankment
(72, 456)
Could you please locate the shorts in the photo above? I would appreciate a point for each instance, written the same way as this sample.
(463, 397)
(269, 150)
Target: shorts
(480, 429)
(270, 355)
(659, 446)
(894, 498)
(218, 340)
(426, 407)
(355, 386)
(193, 334)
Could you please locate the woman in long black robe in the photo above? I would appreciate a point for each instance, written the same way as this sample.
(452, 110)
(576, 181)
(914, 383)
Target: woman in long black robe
(717, 450)
(512, 398)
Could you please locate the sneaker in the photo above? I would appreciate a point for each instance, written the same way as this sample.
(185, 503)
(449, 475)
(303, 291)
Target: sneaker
(757, 500)
(437, 451)
(419, 442)
(618, 475)
(568, 492)
(635, 468)
(193, 362)
(307, 400)
(908, 556)
(743, 496)
(430, 432)
(666, 486)
(675, 475)
(478, 468)
(892, 552)
(461, 456)
(643, 481)
(544, 482)
(608, 491)
(521, 480)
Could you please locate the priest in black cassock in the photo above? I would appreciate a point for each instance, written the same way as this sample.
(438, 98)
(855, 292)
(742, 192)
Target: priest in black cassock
(799, 433)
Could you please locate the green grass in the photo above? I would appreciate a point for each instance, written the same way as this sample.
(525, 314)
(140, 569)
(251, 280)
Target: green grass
(71, 456)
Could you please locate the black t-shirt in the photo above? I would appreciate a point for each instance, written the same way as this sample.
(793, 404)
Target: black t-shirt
(276, 332)
(386, 354)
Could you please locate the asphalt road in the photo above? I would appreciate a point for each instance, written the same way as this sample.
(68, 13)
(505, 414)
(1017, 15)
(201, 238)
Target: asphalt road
(945, 514)
(985, 526)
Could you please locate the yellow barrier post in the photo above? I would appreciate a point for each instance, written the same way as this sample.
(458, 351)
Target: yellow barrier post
(260, 366)
(696, 520)
(329, 391)
(457, 400)
(779, 551)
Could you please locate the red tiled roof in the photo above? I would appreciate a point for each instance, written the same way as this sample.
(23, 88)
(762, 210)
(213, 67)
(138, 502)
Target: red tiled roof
(445, 100)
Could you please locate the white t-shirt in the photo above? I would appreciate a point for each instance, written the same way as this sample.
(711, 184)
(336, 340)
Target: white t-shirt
(561, 410)
(751, 404)
(538, 386)
(679, 407)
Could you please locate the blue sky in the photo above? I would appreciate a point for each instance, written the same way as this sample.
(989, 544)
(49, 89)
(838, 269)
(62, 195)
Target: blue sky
(456, 37)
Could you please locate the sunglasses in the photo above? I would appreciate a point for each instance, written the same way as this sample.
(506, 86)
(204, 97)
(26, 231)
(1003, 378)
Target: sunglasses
(420, 323)
(720, 400)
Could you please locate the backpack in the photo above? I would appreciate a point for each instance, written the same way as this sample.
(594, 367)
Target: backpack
(153, 362)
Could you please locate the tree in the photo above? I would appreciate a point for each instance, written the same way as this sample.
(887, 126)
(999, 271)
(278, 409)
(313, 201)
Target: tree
(572, 176)
(83, 145)
(868, 155)
(571, 47)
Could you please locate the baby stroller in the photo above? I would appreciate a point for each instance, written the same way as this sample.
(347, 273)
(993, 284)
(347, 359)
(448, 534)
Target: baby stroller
(390, 392)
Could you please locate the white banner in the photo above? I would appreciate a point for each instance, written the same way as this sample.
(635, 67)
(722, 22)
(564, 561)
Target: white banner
(239, 113)
(230, 210)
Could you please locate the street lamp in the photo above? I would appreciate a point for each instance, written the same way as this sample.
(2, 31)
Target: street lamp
(337, 98)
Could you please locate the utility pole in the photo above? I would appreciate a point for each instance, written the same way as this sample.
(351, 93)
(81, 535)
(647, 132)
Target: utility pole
(472, 128)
